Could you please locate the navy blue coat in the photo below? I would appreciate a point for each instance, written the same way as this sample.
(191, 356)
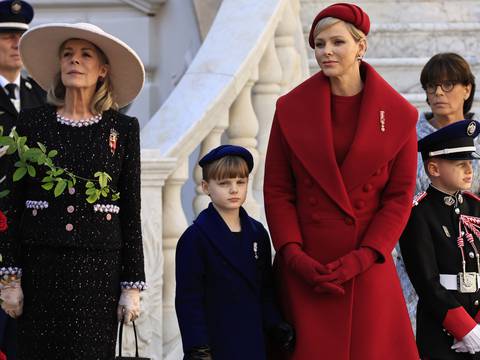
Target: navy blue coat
(224, 296)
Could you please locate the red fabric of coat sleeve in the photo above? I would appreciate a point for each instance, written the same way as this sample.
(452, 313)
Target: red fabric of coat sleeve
(389, 221)
(280, 192)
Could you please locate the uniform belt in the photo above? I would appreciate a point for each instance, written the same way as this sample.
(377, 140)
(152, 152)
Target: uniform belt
(450, 282)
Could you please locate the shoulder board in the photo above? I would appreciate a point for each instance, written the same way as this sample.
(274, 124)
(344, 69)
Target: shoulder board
(419, 197)
(471, 195)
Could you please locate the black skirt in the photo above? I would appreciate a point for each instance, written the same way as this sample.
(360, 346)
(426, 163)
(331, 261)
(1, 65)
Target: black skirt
(71, 297)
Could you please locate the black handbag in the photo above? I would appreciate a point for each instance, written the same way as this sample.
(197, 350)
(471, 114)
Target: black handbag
(120, 334)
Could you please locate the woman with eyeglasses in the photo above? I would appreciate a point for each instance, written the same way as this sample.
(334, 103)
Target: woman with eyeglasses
(450, 88)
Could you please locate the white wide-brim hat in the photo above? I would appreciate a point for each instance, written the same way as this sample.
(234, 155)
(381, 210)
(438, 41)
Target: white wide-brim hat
(40, 45)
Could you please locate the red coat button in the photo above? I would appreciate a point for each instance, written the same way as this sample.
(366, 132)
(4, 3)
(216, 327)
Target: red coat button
(315, 217)
(378, 172)
(348, 221)
(312, 200)
(359, 204)
(367, 187)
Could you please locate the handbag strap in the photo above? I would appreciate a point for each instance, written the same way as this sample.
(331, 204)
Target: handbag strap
(120, 336)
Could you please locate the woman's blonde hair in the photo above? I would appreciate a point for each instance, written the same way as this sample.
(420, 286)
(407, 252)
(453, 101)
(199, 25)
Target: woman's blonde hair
(101, 101)
(329, 21)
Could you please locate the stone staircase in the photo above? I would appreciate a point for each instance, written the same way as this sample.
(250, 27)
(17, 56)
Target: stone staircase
(406, 33)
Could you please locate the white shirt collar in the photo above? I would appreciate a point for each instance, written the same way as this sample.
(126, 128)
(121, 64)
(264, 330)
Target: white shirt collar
(4, 81)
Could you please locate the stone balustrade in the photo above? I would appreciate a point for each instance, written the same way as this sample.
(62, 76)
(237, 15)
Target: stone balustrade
(250, 56)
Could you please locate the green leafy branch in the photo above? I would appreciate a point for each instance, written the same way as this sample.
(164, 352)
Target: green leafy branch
(58, 179)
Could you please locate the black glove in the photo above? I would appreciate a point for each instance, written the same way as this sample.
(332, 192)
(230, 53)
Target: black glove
(198, 353)
(283, 335)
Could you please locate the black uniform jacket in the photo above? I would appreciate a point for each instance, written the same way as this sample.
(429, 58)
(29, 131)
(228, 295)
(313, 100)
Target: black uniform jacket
(69, 220)
(31, 95)
(429, 248)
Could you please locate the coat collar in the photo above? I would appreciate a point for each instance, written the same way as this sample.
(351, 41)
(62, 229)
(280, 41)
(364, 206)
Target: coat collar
(216, 230)
(305, 119)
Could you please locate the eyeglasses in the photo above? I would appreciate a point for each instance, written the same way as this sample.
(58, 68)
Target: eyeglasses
(446, 86)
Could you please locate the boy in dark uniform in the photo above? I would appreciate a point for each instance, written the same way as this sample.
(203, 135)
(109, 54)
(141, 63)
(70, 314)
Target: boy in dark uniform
(224, 285)
(440, 248)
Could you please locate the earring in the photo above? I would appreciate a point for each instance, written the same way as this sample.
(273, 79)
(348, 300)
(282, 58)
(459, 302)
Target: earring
(359, 57)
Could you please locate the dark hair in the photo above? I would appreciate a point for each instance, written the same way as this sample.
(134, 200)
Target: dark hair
(449, 66)
(227, 167)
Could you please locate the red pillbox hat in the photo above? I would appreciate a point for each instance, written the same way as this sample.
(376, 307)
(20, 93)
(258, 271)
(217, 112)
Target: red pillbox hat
(347, 12)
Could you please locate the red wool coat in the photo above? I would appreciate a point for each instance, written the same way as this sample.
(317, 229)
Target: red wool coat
(332, 210)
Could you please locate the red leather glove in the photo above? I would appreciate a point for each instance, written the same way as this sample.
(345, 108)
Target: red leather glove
(352, 264)
(311, 271)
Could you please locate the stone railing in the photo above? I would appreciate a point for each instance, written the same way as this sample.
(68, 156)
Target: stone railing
(253, 52)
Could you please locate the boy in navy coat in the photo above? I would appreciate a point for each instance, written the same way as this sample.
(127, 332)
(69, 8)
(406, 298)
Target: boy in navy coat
(224, 295)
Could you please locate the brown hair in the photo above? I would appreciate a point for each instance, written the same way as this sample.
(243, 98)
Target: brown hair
(101, 101)
(229, 166)
(449, 66)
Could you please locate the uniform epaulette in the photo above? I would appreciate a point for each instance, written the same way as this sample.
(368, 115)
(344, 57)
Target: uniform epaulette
(471, 195)
(419, 197)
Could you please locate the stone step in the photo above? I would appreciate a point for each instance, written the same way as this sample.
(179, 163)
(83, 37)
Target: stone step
(402, 73)
(394, 11)
(422, 39)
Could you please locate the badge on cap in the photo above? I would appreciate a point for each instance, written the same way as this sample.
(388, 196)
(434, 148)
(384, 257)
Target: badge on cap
(471, 128)
(16, 7)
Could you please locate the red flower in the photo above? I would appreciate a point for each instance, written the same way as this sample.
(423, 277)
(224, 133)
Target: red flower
(3, 224)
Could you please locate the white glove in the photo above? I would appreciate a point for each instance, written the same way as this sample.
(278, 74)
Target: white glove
(129, 305)
(470, 342)
(12, 299)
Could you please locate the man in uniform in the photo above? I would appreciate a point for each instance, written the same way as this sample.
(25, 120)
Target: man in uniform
(17, 93)
(440, 247)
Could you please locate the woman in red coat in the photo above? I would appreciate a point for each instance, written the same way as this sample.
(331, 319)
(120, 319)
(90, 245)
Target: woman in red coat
(339, 182)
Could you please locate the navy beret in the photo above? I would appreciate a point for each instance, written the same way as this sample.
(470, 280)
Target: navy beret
(227, 150)
(453, 142)
(15, 15)
(350, 13)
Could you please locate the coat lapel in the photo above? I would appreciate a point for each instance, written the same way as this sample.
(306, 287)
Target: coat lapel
(216, 230)
(6, 105)
(372, 147)
(308, 131)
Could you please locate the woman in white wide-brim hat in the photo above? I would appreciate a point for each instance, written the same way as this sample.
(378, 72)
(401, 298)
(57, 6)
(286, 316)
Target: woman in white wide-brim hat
(80, 264)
